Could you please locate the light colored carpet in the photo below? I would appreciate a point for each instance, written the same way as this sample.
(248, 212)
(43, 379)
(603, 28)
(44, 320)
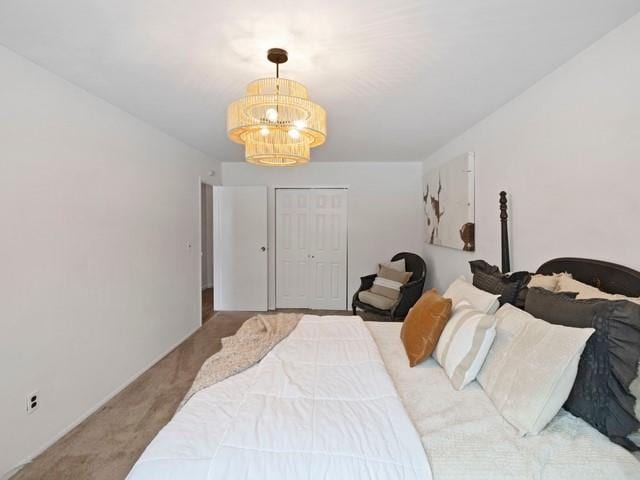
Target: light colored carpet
(107, 444)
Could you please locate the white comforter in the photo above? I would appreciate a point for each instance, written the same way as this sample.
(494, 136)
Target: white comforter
(466, 438)
(319, 406)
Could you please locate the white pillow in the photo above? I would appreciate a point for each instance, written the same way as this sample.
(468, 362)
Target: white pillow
(398, 265)
(531, 367)
(568, 284)
(464, 344)
(460, 290)
(548, 282)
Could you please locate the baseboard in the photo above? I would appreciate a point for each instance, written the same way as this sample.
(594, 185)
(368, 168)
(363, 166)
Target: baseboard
(7, 475)
(13, 470)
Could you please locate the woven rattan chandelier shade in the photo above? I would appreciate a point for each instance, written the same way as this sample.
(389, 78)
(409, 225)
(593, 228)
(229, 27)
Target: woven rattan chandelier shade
(276, 121)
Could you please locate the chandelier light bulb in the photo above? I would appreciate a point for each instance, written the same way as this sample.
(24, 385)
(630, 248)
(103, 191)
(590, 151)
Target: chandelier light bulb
(300, 124)
(272, 115)
(264, 131)
(294, 133)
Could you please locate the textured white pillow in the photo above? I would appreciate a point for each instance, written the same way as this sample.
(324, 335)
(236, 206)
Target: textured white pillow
(548, 282)
(568, 284)
(460, 290)
(464, 344)
(531, 367)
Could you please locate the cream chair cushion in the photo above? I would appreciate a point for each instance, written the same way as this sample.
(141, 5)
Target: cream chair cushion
(375, 300)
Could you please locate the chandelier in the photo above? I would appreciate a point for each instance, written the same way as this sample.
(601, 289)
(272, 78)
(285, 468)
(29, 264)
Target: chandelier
(275, 121)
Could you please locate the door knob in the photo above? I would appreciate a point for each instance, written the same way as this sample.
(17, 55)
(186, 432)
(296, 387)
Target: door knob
(263, 249)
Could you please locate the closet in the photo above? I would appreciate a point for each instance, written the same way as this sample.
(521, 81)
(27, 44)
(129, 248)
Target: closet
(311, 248)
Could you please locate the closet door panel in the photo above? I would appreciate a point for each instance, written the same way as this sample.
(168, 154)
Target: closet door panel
(328, 253)
(292, 248)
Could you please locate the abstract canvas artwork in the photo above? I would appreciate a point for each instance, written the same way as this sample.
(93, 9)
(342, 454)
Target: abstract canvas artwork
(449, 204)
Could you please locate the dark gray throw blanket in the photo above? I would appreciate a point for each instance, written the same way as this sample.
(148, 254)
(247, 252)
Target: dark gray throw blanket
(253, 340)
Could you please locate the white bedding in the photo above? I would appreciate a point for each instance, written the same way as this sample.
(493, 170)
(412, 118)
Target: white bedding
(466, 438)
(320, 405)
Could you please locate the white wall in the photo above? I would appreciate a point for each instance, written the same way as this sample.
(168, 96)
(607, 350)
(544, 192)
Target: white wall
(568, 152)
(384, 215)
(96, 279)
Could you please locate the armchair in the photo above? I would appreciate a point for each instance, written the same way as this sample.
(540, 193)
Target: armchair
(409, 292)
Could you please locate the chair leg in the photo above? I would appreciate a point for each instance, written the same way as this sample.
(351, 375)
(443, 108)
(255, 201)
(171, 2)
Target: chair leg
(354, 309)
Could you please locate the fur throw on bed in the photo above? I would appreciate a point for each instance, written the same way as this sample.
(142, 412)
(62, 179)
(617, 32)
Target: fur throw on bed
(253, 340)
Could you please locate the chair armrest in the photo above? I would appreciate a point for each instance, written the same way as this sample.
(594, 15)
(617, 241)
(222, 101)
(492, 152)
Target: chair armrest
(409, 295)
(410, 286)
(366, 282)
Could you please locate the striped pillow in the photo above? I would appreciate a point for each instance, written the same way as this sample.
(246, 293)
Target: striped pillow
(388, 282)
(465, 343)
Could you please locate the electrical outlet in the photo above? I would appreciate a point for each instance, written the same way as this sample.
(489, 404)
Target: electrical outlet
(33, 401)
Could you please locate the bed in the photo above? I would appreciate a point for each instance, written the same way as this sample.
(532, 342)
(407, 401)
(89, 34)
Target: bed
(336, 399)
(319, 405)
(363, 422)
(465, 437)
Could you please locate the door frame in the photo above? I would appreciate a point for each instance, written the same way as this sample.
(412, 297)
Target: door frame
(274, 276)
(203, 181)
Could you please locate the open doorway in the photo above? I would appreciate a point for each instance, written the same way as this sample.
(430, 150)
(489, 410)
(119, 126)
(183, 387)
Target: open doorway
(206, 253)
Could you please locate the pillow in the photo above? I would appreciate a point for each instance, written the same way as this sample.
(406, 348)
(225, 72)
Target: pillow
(464, 344)
(548, 282)
(568, 284)
(531, 367)
(460, 290)
(392, 274)
(601, 393)
(511, 287)
(398, 265)
(388, 282)
(423, 325)
(378, 301)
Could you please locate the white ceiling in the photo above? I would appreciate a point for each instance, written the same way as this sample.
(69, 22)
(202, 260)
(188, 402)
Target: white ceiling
(398, 78)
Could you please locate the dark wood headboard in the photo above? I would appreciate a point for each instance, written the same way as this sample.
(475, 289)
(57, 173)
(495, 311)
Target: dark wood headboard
(504, 233)
(606, 276)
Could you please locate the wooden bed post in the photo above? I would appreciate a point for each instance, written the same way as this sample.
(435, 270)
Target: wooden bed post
(506, 264)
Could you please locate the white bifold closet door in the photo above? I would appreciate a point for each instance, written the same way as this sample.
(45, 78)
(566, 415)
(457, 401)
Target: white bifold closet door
(240, 248)
(311, 248)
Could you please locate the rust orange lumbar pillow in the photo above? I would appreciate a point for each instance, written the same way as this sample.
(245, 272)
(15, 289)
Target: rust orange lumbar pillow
(423, 325)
